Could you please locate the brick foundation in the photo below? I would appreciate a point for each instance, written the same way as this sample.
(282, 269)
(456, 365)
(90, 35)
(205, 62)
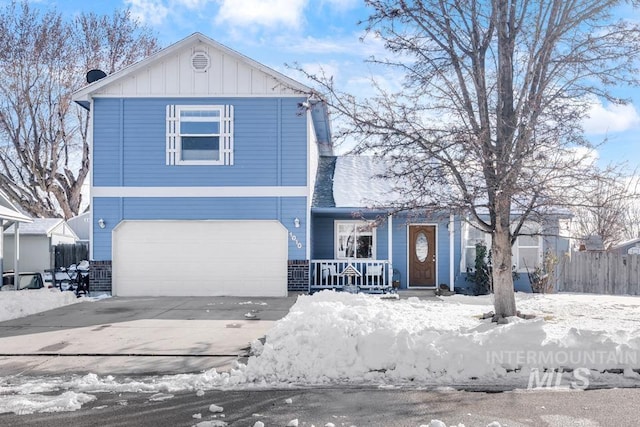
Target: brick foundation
(298, 275)
(100, 276)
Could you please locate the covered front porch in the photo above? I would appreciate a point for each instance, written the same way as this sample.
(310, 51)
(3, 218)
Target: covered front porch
(352, 275)
(374, 251)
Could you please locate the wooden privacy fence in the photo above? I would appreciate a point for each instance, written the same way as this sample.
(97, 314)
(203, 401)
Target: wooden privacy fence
(600, 273)
(65, 255)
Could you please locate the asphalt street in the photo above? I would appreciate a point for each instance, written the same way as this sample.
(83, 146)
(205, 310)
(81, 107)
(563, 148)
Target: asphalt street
(352, 407)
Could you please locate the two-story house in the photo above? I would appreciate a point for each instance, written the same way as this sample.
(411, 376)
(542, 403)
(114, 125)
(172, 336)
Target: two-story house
(213, 174)
(202, 172)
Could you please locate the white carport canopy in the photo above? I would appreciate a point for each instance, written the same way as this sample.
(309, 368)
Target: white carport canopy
(10, 215)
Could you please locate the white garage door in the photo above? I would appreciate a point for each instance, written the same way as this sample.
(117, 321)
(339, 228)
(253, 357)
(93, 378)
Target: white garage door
(200, 258)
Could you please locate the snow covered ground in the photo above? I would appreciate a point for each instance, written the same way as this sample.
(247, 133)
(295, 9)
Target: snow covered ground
(16, 304)
(339, 338)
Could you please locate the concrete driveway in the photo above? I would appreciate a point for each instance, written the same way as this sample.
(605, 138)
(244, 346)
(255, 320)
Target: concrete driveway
(138, 336)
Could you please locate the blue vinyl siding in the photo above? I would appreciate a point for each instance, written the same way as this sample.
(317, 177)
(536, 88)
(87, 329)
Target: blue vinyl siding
(107, 142)
(270, 144)
(110, 210)
(114, 210)
(290, 209)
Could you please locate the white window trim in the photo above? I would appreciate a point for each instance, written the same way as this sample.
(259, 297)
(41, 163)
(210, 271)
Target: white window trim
(466, 225)
(517, 246)
(174, 147)
(336, 227)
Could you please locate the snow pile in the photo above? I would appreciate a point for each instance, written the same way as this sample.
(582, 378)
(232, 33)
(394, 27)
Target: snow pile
(15, 304)
(32, 403)
(339, 337)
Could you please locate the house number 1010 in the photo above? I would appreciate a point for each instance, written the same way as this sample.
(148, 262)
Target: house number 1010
(295, 239)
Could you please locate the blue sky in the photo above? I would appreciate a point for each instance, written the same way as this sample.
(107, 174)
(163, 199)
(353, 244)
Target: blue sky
(321, 33)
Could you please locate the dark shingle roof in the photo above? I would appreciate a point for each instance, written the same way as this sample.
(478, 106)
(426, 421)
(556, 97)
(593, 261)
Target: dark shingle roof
(323, 191)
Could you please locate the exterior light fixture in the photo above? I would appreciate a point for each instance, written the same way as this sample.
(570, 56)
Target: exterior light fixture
(101, 223)
(296, 222)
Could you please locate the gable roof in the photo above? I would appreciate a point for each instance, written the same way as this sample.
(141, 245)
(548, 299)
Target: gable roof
(141, 76)
(9, 212)
(43, 227)
(80, 225)
(622, 245)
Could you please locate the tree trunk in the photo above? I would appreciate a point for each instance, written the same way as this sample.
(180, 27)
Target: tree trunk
(504, 299)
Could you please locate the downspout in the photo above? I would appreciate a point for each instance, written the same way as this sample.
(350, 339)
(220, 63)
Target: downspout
(91, 201)
(1, 252)
(451, 252)
(390, 247)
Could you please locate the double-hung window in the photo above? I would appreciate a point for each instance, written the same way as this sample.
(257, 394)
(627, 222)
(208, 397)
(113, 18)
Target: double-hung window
(471, 236)
(355, 239)
(199, 135)
(527, 250)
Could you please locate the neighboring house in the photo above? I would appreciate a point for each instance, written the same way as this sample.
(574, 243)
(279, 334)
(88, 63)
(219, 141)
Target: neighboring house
(591, 243)
(10, 215)
(37, 242)
(81, 225)
(419, 251)
(630, 247)
(213, 174)
(202, 170)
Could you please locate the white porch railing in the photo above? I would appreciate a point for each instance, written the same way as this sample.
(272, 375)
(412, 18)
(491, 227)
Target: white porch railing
(365, 275)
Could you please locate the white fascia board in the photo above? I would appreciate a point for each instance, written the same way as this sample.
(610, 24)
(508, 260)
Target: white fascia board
(299, 191)
(205, 95)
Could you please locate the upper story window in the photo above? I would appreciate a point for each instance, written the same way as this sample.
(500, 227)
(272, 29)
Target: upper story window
(355, 239)
(199, 135)
(527, 250)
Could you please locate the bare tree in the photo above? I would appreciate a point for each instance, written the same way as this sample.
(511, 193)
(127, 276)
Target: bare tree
(604, 208)
(44, 152)
(488, 119)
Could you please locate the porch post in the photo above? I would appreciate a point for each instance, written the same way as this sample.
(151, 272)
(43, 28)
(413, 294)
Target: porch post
(451, 251)
(16, 254)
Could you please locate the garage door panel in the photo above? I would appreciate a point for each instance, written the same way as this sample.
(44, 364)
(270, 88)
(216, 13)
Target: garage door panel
(199, 258)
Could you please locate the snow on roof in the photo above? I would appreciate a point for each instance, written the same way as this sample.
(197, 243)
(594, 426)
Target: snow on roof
(38, 226)
(9, 211)
(626, 243)
(356, 183)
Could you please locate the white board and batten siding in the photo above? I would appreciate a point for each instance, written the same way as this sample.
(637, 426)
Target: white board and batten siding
(200, 258)
(174, 75)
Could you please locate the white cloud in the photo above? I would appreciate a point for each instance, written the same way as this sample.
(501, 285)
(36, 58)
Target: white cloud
(610, 118)
(264, 13)
(191, 4)
(151, 12)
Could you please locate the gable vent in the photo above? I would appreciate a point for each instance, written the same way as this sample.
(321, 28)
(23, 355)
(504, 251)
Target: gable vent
(200, 61)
